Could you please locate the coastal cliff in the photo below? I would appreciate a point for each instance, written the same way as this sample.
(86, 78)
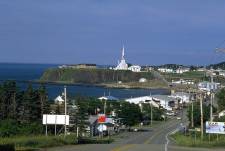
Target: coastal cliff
(103, 77)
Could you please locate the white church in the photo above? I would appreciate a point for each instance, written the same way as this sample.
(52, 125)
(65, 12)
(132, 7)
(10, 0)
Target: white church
(122, 65)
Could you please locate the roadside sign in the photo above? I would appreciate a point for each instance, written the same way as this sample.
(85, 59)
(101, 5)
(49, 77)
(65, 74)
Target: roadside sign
(50, 119)
(215, 127)
(101, 118)
(102, 128)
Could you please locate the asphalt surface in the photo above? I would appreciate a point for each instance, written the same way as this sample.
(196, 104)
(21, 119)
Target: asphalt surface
(151, 139)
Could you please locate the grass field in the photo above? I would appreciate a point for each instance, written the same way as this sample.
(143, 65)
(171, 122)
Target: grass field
(189, 140)
(36, 142)
(195, 75)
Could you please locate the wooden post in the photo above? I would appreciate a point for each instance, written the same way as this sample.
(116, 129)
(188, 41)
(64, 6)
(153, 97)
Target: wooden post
(55, 124)
(151, 113)
(46, 126)
(192, 114)
(77, 132)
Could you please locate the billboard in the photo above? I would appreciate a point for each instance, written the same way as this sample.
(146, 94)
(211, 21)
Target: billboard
(215, 127)
(101, 118)
(49, 119)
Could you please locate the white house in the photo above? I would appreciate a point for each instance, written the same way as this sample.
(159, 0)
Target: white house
(182, 70)
(222, 73)
(222, 113)
(59, 99)
(142, 80)
(201, 69)
(135, 68)
(165, 70)
(108, 98)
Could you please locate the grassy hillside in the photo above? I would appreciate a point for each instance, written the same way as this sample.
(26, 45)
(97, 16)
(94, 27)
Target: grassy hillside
(93, 76)
(194, 75)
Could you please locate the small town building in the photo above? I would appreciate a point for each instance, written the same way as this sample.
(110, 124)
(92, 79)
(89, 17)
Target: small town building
(143, 99)
(142, 80)
(165, 101)
(201, 69)
(181, 70)
(108, 98)
(135, 68)
(208, 86)
(182, 96)
(109, 127)
(59, 99)
(221, 113)
(222, 73)
(182, 81)
(166, 70)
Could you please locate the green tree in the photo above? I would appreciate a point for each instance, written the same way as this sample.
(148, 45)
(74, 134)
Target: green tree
(197, 113)
(221, 99)
(156, 113)
(8, 92)
(130, 113)
(81, 115)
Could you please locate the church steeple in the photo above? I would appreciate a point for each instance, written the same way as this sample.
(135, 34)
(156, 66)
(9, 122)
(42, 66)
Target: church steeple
(123, 53)
(122, 65)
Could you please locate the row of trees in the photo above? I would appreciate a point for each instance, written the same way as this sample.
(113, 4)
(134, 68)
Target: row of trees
(220, 101)
(22, 109)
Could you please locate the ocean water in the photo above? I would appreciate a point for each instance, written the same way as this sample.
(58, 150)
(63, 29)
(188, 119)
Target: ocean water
(18, 72)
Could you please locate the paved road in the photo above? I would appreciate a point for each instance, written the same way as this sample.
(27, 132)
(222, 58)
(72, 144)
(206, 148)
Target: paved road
(149, 139)
(153, 139)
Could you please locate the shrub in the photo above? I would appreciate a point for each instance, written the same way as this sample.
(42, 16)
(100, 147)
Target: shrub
(7, 147)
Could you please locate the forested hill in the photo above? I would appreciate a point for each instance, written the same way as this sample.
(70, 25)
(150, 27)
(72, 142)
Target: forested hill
(93, 76)
(218, 65)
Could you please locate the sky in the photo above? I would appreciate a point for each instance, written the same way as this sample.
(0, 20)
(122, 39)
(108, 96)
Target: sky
(153, 32)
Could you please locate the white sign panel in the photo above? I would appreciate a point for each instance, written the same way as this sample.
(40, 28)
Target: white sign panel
(215, 127)
(102, 128)
(50, 119)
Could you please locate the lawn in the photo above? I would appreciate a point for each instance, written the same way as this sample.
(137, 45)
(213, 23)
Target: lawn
(37, 142)
(208, 141)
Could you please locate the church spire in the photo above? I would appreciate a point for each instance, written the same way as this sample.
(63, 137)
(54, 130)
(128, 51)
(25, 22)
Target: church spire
(123, 53)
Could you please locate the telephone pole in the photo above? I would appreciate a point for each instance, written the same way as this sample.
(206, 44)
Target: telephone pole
(201, 110)
(211, 97)
(65, 99)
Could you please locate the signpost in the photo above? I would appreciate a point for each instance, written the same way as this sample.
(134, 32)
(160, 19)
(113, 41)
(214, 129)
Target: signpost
(215, 127)
(101, 118)
(101, 121)
(49, 119)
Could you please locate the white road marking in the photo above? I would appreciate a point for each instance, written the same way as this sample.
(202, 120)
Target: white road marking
(167, 139)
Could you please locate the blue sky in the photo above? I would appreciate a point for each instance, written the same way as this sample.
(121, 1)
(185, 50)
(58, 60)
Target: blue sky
(93, 31)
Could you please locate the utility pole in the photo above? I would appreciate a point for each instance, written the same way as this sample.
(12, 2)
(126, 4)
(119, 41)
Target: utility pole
(192, 108)
(211, 98)
(151, 107)
(65, 97)
(151, 113)
(192, 114)
(105, 106)
(201, 109)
